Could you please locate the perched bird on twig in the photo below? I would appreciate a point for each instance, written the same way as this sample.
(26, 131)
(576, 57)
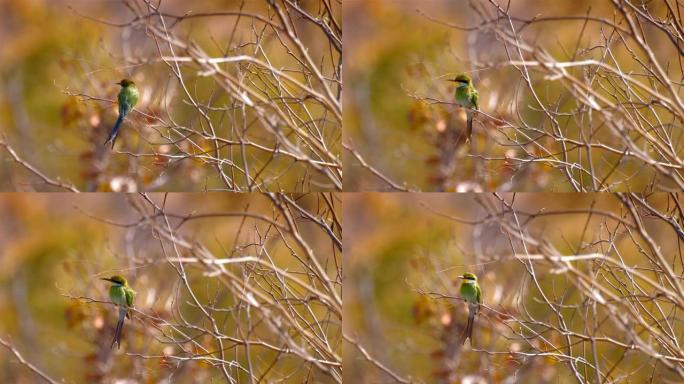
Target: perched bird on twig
(128, 97)
(472, 294)
(123, 296)
(466, 96)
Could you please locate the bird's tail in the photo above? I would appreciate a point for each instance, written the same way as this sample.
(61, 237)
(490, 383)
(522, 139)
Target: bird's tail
(468, 334)
(115, 131)
(119, 328)
(469, 129)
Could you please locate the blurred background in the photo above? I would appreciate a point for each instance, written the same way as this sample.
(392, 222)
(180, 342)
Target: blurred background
(582, 127)
(236, 125)
(236, 316)
(544, 321)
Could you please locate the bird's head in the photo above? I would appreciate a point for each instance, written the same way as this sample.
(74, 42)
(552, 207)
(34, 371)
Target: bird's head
(116, 279)
(462, 79)
(126, 82)
(468, 276)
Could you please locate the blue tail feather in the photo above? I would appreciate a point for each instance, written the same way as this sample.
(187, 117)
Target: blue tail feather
(115, 131)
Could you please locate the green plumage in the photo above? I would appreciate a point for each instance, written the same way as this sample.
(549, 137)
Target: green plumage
(466, 96)
(128, 98)
(472, 294)
(471, 291)
(121, 294)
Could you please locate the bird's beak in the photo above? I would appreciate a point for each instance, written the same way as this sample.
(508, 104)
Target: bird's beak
(106, 279)
(460, 276)
(452, 80)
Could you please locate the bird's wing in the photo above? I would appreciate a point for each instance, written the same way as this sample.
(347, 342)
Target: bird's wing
(478, 295)
(125, 103)
(130, 297)
(476, 98)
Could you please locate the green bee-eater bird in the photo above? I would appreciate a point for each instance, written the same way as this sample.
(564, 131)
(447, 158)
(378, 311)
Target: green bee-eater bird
(472, 294)
(123, 296)
(467, 97)
(128, 98)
